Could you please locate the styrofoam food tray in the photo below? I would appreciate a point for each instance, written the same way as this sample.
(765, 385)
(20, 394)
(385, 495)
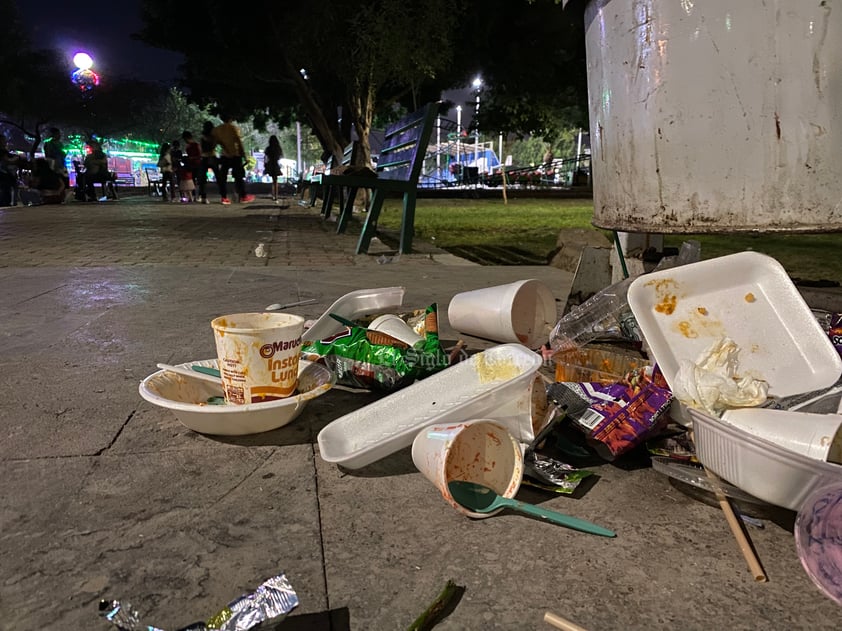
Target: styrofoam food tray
(354, 305)
(747, 297)
(473, 388)
(187, 398)
(759, 467)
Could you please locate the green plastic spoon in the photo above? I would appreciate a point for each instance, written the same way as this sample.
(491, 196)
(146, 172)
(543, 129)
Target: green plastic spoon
(482, 499)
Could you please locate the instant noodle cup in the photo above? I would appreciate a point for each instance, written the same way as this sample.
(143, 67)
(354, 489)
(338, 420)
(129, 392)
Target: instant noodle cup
(258, 355)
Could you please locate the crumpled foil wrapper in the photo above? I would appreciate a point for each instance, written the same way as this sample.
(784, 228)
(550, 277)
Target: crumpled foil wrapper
(273, 599)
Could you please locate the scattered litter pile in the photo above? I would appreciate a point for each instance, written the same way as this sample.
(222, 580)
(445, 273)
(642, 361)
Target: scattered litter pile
(716, 371)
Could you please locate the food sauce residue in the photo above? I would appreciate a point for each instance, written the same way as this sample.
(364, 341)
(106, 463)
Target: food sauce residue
(749, 297)
(687, 330)
(503, 370)
(667, 300)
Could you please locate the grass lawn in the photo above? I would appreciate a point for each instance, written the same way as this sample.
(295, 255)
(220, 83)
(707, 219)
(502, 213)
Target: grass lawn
(531, 226)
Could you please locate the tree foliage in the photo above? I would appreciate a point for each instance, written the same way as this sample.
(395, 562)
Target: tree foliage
(38, 93)
(329, 63)
(163, 118)
(333, 65)
(531, 55)
(36, 86)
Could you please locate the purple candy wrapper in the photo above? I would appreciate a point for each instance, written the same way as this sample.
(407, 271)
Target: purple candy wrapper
(615, 417)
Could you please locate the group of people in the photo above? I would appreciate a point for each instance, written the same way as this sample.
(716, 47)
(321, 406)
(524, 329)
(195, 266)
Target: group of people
(184, 164)
(184, 172)
(49, 181)
(40, 181)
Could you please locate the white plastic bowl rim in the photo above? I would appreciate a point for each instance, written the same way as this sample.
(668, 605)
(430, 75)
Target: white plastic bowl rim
(322, 377)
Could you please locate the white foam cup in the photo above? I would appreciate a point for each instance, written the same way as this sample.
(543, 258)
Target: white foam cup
(258, 355)
(816, 436)
(393, 325)
(479, 450)
(523, 311)
(523, 415)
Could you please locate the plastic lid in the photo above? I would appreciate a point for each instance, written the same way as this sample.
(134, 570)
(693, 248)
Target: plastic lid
(818, 538)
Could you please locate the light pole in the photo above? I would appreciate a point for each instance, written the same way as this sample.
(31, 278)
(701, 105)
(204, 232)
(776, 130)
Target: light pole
(477, 86)
(438, 147)
(459, 139)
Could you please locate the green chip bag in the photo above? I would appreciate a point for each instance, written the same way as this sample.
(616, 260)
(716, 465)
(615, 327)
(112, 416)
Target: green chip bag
(370, 359)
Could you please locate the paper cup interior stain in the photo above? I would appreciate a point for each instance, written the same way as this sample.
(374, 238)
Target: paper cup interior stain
(480, 450)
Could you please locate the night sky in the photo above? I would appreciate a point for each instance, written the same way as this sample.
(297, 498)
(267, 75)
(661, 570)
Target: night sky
(102, 28)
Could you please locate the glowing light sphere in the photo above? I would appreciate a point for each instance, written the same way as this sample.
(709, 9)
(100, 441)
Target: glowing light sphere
(83, 60)
(85, 79)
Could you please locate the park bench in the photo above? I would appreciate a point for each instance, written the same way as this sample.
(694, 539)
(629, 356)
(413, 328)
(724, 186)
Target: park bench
(330, 191)
(399, 166)
(312, 183)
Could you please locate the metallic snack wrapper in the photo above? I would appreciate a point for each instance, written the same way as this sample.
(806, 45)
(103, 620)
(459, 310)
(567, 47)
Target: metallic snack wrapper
(273, 599)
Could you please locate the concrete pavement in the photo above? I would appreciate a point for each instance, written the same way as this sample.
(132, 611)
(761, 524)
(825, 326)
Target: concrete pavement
(107, 496)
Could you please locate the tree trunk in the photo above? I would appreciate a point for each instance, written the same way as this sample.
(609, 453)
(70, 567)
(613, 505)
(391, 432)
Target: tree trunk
(326, 130)
(362, 113)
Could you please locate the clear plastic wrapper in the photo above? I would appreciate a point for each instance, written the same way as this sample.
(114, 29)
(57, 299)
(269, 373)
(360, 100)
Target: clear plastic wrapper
(545, 472)
(604, 316)
(272, 600)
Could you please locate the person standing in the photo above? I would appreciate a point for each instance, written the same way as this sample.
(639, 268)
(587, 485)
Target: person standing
(55, 154)
(176, 156)
(96, 170)
(190, 164)
(209, 161)
(271, 163)
(167, 172)
(10, 162)
(232, 159)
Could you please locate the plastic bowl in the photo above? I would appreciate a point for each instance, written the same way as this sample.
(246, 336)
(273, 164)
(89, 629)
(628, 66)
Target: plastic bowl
(759, 467)
(187, 398)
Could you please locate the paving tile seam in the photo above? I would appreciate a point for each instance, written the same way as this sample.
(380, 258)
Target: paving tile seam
(321, 525)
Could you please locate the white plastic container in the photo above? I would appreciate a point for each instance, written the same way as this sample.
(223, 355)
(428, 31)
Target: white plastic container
(759, 467)
(187, 398)
(353, 305)
(498, 380)
(747, 297)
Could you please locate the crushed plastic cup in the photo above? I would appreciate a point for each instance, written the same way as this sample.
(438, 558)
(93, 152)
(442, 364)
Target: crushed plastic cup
(816, 436)
(258, 355)
(393, 325)
(818, 539)
(522, 312)
(478, 450)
